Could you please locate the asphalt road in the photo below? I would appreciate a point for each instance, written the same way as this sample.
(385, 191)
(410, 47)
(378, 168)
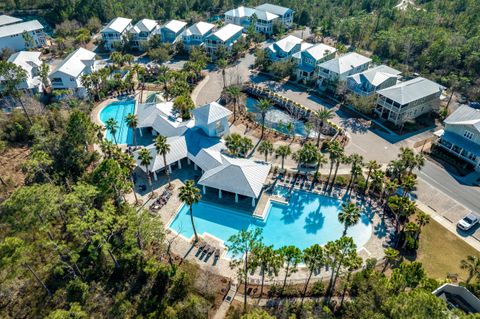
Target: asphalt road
(438, 177)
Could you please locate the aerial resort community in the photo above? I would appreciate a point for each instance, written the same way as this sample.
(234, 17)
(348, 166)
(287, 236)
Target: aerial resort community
(202, 160)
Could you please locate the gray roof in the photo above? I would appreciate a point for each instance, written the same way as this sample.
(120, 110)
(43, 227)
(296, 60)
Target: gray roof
(200, 28)
(465, 115)
(412, 90)
(144, 25)
(178, 151)
(4, 20)
(210, 113)
(159, 116)
(240, 12)
(345, 63)
(76, 62)
(278, 10)
(376, 75)
(18, 28)
(266, 16)
(236, 175)
(227, 32)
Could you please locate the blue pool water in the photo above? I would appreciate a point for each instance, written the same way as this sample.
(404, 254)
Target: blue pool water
(307, 219)
(119, 110)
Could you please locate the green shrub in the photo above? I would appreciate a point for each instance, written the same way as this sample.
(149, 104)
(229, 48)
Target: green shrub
(318, 288)
(77, 291)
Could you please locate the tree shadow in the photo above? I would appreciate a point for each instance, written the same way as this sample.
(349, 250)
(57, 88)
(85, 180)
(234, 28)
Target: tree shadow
(354, 125)
(314, 221)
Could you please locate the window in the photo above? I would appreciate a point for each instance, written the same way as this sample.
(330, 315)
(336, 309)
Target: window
(468, 135)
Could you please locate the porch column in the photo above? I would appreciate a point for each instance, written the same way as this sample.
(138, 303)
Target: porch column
(253, 201)
(219, 193)
(155, 175)
(179, 163)
(204, 189)
(194, 166)
(169, 169)
(140, 131)
(236, 198)
(188, 161)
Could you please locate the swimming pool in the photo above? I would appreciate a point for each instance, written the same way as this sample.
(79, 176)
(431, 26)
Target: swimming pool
(119, 110)
(307, 219)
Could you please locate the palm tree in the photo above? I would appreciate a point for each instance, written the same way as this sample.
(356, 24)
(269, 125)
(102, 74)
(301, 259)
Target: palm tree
(268, 260)
(291, 256)
(377, 180)
(233, 142)
(357, 163)
(132, 122)
(322, 160)
(336, 154)
(266, 148)
(189, 194)
(352, 263)
(308, 154)
(422, 220)
(472, 265)
(234, 93)
(145, 160)
(222, 64)
(246, 145)
(319, 118)
(418, 162)
(392, 256)
(410, 230)
(349, 215)
(290, 131)
(263, 106)
(390, 188)
(112, 126)
(371, 166)
(163, 148)
(314, 259)
(283, 151)
(408, 184)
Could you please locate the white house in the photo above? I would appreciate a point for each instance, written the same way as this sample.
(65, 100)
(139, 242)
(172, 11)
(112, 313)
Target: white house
(159, 118)
(212, 118)
(461, 135)
(309, 60)
(196, 34)
(240, 16)
(458, 297)
(408, 100)
(67, 75)
(116, 32)
(172, 31)
(142, 32)
(17, 35)
(30, 62)
(285, 14)
(225, 37)
(340, 68)
(368, 82)
(264, 21)
(284, 48)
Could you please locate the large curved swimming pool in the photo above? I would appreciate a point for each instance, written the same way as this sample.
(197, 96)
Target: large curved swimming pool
(118, 110)
(306, 219)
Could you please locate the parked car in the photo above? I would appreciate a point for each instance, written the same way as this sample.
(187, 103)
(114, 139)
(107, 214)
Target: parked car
(468, 221)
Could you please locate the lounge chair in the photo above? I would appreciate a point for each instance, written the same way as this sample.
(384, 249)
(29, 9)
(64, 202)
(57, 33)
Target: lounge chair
(205, 251)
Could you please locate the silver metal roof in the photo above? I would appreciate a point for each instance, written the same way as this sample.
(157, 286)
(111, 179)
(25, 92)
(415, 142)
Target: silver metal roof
(465, 115)
(412, 90)
(19, 28)
(210, 113)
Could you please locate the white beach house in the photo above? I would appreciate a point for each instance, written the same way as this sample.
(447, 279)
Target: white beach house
(284, 48)
(224, 37)
(142, 32)
(310, 58)
(30, 62)
(196, 34)
(368, 82)
(116, 33)
(18, 35)
(172, 31)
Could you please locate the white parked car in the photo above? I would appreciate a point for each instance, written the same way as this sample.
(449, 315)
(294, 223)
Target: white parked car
(468, 221)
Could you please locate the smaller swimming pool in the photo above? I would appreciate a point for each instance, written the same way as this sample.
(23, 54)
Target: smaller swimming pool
(118, 111)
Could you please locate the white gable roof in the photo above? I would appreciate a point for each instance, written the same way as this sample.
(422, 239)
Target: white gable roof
(228, 31)
(376, 75)
(175, 25)
(240, 12)
(210, 113)
(465, 115)
(76, 62)
(4, 20)
(411, 90)
(27, 60)
(118, 24)
(286, 44)
(237, 175)
(345, 63)
(273, 8)
(200, 28)
(266, 16)
(144, 25)
(160, 117)
(319, 51)
(18, 28)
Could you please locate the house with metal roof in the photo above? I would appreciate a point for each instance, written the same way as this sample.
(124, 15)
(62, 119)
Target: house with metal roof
(160, 118)
(68, 74)
(115, 33)
(458, 297)
(340, 68)
(407, 100)
(461, 135)
(240, 16)
(224, 37)
(142, 32)
(30, 62)
(18, 35)
(212, 118)
(309, 58)
(172, 31)
(368, 82)
(265, 21)
(284, 48)
(285, 14)
(196, 34)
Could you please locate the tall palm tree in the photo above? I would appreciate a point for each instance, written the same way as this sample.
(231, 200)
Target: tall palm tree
(263, 107)
(322, 160)
(422, 220)
(112, 126)
(266, 148)
(189, 194)
(472, 265)
(234, 93)
(222, 65)
(132, 122)
(356, 161)
(408, 184)
(145, 161)
(336, 153)
(308, 154)
(269, 261)
(233, 142)
(283, 151)
(163, 148)
(371, 166)
(390, 189)
(291, 256)
(418, 162)
(377, 180)
(349, 216)
(392, 256)
(314, 259)
(319, 118)
(352, 263)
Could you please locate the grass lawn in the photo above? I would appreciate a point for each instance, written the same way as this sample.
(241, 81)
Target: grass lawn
(440, 251)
